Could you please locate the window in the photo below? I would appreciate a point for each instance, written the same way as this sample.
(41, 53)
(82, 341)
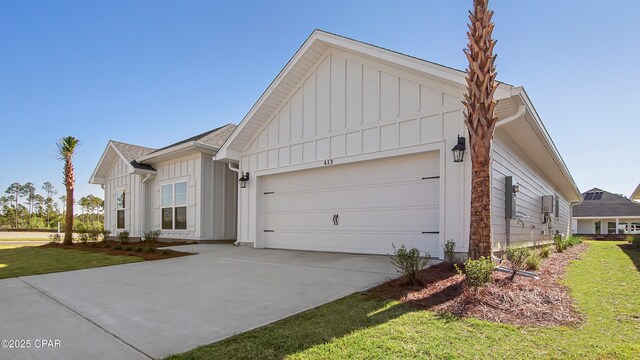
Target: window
(611, 227)
(598, 227)
(120, 205)
(594, 195)
(174, 206)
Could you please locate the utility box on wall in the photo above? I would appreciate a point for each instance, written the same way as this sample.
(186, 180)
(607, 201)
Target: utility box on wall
(510, 198)
(548, 204)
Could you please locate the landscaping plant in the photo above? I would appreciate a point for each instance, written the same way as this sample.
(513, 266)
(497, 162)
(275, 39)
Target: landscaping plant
(123, 236)
(409, 262)
(533, 261)
(478, 273)
(94, 236)
(449, 252)
(55, 238)
(561, 244)
(545, 252)
(152, 237)
(105, 234)
(517, 256)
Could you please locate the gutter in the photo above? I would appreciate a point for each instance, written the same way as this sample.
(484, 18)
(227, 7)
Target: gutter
(181, 147)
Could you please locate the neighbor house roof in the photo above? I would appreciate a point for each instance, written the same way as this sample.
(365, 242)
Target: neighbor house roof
(600, 203)
(636, 193)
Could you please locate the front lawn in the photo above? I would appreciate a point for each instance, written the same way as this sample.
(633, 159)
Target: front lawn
(605, 284)
(30, 260)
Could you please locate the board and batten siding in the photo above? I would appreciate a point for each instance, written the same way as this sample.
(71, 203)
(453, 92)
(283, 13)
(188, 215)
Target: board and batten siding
(349, 108)
(119, 178)
(508, 160)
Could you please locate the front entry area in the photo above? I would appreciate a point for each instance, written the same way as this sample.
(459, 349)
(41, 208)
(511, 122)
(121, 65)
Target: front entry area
(363, 207)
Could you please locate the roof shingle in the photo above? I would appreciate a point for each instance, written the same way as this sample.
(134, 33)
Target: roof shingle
(608, 205)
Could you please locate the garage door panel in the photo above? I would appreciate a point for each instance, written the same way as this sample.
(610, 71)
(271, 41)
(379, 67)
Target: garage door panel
(379, 203)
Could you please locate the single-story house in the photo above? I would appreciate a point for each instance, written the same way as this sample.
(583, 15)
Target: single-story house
(603, 212)
(178, 189)
(350, 150)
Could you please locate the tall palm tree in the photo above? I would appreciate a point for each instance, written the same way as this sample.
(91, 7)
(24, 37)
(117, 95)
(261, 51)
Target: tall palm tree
(66, 149)
(480, 120)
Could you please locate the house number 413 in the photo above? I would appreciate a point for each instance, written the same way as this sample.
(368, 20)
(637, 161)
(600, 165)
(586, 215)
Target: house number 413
(328, 162)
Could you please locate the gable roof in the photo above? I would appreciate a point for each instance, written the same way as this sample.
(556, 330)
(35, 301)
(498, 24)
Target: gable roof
(635, 195)
(600, 203)
(132, 152)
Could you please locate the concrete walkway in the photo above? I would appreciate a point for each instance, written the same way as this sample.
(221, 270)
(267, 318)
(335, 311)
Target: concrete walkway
(158, 308)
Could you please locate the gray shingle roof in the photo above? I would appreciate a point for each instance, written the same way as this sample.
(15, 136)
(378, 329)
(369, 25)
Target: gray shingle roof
(131, 152)
(607, 205)
(215, 137)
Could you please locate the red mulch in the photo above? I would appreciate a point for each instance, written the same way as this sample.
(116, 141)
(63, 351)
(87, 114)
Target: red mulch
(99, 247)
(523, 301)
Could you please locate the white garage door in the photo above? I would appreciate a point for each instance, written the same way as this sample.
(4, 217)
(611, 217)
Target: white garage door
(360, 207)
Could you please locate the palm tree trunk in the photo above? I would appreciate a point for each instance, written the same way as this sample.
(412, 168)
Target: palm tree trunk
(480, 232)
(69, 183)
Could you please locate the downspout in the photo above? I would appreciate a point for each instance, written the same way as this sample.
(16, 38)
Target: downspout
(144, 203)
(237, 170)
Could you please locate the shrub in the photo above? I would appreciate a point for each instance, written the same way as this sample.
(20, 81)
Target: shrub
(478, 273)
(55, 238)
(150, 250)
(123, 236)
(449, 252)
(138, 249)
(117, 247)
(573, 240)
(165, 252)
(533, 261)
(630, 239)
(152, 237)
(561, 244)
(107, 246)
(409, 262)
(636, 241)
(517, 256)
(83, 235)
(94, 235)
(105, 234)
(128, 248)
(545, 252)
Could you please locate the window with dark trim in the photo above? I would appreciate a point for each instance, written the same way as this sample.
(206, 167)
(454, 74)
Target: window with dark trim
(120, 205)
(174, 206)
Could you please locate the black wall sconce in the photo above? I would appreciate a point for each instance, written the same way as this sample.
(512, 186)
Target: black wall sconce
(458, 150)
(244, 180)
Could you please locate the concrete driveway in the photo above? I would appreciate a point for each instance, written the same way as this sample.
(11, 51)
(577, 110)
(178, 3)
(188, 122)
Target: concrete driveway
(158, 308)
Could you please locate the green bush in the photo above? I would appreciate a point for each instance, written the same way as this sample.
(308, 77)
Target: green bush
(517, 256)
(107, 246)
(152, 237)
(449, 252)
(128, 248)
(636, 241)
(545, 252)
(94, 236)
(83, 235)
(573, 240)
(561, 244)
(165, 252)
(55, 238)
(478, 273)
(117, 247)
(630, 239)
(409, 262)
(123, 236)
(138, 249)
(533, 261)
(105, 234)
(150, 250)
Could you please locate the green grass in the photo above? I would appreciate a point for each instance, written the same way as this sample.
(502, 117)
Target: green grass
(605, 285)
(26, 260)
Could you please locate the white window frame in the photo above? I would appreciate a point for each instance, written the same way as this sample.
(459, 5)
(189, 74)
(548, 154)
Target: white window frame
(173, 205)
(121, 208)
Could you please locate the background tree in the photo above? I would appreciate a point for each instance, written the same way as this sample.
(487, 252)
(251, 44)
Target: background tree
(51, 191)
(480, 120)
(15, 193)
(66, 148)
(29, 191)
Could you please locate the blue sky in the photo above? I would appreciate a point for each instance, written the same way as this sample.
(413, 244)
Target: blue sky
(155, 72)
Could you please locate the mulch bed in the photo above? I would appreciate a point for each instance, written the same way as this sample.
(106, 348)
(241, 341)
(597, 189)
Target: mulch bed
(100, 247)
(523, 301)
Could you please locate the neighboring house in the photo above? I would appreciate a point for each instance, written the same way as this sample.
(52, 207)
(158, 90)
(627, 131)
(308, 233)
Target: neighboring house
(350, 150)
(602, 212)
(179, 188)
(635, 196)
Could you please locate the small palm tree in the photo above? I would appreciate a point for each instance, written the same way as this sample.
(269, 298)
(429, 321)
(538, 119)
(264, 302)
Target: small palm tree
(480, 120)
(66, 149)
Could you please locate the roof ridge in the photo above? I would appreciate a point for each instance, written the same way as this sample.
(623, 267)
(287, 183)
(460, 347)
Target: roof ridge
(124, 143)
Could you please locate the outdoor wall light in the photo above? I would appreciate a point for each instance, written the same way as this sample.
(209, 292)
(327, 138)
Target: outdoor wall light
(244, 179)
(458, 150)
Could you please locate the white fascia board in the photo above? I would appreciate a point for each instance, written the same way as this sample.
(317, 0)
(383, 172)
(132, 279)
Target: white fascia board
(547, 142)
(606, 217)
(227, 155)
(179, 148)
(636, 193)
(94, 178)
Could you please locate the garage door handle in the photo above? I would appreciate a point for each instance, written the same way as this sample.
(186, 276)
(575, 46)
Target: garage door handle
(334, 219)
(337, 219)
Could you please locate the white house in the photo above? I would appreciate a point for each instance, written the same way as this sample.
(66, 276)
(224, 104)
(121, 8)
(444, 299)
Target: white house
(178, 189)
(350, 150)
(602, 212)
